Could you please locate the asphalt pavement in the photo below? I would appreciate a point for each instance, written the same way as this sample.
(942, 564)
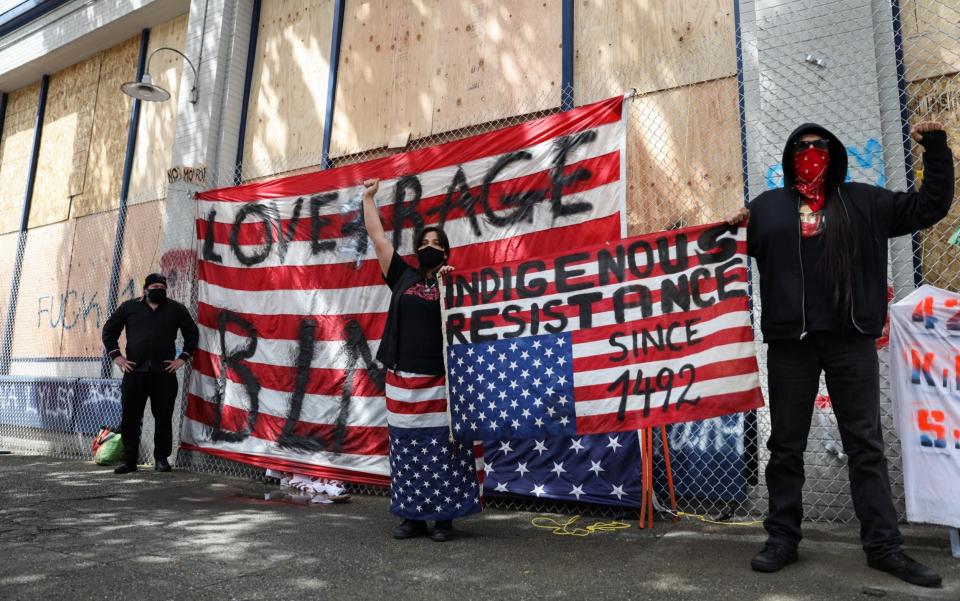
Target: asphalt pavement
(74, 530)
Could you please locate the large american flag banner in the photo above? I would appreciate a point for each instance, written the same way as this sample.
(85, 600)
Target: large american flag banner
(611, 337)
(291, 302)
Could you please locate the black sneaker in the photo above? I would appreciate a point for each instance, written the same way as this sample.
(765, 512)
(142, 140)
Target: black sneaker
(905, 568)
(774, 557)
(125, 468)
(162, 465)
(442, 531)
(410, 529)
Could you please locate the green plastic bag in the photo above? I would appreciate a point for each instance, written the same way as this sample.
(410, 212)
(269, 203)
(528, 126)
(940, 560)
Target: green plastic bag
(107, 447)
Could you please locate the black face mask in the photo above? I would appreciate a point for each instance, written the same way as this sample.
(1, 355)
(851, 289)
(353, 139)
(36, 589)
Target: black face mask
(156, 295)
(430, 257)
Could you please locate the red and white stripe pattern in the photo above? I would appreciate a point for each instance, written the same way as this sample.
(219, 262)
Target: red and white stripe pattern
(471, 182)
(705, 367)
(417, 405)
(416, 401)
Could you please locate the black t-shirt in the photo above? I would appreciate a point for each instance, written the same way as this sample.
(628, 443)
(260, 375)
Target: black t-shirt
(420, 337)
(818, 309)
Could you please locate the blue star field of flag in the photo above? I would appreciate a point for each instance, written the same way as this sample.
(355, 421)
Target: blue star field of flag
(512, 388)
(428, 483)
(599, 468)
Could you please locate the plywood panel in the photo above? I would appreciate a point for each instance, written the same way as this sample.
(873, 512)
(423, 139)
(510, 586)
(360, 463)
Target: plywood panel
(939, 100)
(15, 148)
(931, 37)
(84, 300)
(683, 156)
(650, 45)
(289, 93)
(427, 67)
(497, 59)
(82, 305)
(64, 146)
(8, 249)
(43, 295)
(158, 119)
(141, 247)
(383, 86)
(108, 140)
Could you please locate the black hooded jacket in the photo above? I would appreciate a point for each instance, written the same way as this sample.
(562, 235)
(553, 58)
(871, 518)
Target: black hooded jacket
(875, 215)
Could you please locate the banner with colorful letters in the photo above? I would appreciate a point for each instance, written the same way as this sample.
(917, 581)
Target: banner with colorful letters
(925, 389)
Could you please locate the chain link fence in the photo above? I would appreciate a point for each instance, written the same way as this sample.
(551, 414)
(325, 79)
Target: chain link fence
(695, 152)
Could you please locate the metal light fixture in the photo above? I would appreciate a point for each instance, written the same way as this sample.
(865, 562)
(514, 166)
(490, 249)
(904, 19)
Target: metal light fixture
(145, 89)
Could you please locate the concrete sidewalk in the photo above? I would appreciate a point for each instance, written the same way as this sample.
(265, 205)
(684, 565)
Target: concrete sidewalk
(72, 530)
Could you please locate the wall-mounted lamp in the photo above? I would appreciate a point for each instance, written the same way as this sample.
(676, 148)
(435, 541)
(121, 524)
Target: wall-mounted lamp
(145, 89)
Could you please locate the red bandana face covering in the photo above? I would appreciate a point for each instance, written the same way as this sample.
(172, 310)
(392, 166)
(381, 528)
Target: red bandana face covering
(810, 167)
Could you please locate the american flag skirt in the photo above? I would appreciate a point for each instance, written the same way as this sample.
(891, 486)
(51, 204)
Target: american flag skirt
(431, 478)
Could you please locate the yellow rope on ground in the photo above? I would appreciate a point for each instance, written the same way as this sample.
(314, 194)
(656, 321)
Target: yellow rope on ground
(564, 528)
(567, 528)
(704, 519)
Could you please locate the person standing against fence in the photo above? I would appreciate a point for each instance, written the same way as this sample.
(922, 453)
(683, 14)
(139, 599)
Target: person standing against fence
(150, 365)
(431, 477)
(821, 251)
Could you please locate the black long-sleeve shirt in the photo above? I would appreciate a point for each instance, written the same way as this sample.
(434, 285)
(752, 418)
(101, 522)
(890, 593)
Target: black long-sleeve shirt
(151, 333)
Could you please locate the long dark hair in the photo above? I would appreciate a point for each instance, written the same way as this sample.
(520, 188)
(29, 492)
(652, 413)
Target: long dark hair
(837, 255)
(441, 236)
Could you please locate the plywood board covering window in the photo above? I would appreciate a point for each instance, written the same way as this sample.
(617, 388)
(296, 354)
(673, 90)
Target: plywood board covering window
(83, 301)
(931, 37)
(8, 249)
(938, 99)
(43, 296)
(650, 45)
(108, 140)
(289, 92)
(15, 148)
(683, 156)
(65, 143)
(158, 120)
(430, 66)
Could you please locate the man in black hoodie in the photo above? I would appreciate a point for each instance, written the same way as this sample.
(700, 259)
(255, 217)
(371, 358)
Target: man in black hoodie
(821, 250)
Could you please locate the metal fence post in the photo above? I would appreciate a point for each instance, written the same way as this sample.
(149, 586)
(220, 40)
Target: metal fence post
(106, 365)
(335, 39)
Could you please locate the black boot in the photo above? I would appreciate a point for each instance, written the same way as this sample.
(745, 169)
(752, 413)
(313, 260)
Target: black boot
(125, 468)
(162, 465)
(442, 531)
(905, 568)
(410, 529)
(774, 557)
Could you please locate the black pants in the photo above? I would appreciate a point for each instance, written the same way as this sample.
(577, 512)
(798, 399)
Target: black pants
(161, 389)
(852, 374)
